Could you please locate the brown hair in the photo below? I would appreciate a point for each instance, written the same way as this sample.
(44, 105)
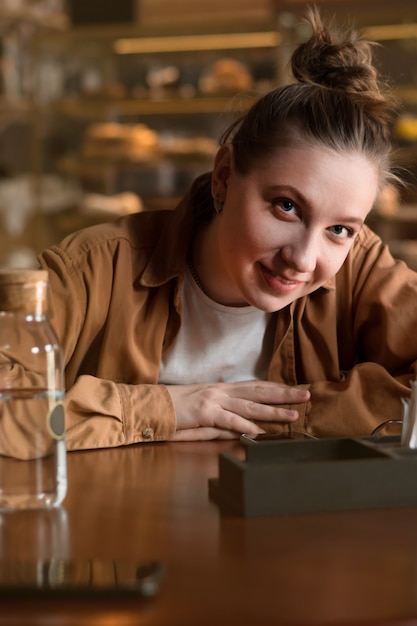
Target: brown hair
(338, 101)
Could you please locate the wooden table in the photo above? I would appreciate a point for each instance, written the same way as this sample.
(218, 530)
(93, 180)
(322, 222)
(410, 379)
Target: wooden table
(150, 501)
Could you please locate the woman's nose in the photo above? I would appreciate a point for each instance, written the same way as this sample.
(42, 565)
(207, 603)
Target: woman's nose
(301, 254)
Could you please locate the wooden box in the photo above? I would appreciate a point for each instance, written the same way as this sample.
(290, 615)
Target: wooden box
(305, 476)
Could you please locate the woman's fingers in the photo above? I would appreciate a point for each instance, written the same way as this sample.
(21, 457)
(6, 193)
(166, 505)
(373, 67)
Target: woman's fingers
(267, 392)
(251, 410)
(204, 434)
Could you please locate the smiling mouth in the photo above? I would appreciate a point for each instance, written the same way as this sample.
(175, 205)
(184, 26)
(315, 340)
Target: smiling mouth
(277, 283)
(285, 281)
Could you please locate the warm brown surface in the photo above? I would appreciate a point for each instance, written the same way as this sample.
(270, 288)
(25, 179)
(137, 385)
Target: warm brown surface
(151, 502)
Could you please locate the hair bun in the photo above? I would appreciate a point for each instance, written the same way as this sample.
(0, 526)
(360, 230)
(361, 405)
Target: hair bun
(335, 60)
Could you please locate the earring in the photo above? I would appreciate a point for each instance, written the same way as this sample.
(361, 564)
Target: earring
(218, 205)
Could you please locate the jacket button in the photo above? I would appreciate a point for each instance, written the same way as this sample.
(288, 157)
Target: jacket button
(147, 433)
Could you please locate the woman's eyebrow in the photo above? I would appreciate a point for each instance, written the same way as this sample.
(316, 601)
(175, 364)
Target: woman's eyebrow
(292, 191)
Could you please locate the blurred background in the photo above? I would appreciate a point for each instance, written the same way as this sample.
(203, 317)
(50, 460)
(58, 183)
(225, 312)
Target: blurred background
(114, 106)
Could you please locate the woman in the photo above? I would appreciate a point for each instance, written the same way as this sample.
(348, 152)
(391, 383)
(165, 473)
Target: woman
(262, 303)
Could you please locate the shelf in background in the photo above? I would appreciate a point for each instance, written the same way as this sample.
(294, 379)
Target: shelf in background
(85, 108)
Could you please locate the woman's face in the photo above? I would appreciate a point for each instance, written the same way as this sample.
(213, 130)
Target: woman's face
(286, 227)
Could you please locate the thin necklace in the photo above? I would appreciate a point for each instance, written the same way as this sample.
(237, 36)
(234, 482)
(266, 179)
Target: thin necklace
(195, 276)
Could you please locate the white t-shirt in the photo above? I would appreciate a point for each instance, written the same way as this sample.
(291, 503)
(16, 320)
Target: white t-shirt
(217, 343)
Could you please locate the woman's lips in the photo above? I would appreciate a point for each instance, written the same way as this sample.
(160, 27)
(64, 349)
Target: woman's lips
(279, 283)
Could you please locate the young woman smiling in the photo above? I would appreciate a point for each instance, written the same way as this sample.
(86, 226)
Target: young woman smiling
(263, 302)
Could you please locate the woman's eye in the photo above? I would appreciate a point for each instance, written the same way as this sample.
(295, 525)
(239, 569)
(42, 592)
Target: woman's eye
(286, 205)
(343, 232)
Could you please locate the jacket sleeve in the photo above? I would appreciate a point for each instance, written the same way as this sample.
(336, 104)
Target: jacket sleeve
(366, 397)
(99, 411)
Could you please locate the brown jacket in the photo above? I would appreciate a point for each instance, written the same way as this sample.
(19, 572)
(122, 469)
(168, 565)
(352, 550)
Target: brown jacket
(115, 300)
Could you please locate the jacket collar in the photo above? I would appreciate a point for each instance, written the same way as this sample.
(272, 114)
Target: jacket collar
(330, 284)
(169, 256)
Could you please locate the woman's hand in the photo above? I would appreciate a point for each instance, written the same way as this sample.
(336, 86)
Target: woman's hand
(226, 410)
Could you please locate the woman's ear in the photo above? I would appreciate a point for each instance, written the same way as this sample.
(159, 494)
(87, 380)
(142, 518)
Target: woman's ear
(223, 164)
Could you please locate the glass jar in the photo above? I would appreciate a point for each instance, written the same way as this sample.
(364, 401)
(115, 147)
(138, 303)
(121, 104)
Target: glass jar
(32, 417)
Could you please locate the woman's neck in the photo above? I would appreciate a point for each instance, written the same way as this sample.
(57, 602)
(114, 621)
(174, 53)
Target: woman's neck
(207, 269)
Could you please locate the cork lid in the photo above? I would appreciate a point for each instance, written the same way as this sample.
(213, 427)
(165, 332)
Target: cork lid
(23, 290)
